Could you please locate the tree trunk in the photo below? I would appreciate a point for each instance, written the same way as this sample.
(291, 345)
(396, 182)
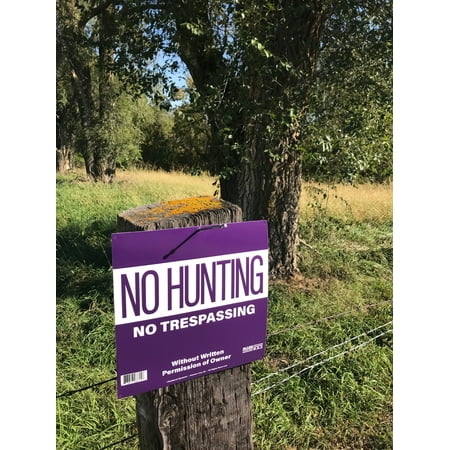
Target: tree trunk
(104, 168)
(271, 190)
(284, 215)
(104, 162)
(82, 88)
(63, 159)
(100, 162)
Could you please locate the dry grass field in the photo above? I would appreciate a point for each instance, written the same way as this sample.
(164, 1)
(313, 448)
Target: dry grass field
(359, 202)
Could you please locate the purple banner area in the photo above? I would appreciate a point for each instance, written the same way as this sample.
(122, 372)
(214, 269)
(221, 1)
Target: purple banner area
(150, 247)
(188, 302)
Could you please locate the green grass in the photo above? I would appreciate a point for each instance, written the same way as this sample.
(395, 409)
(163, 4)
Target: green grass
(345, 263)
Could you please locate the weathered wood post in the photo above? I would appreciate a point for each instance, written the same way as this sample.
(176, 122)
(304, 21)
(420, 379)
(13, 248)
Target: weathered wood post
(206, 413)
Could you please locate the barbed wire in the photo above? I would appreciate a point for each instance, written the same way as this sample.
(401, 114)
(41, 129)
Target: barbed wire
(312, 322)
(121, 441)
(320, 363)
(322, 352)
(68, 393)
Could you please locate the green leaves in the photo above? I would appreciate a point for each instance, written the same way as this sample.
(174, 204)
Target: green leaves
(194, 28)
(260, 47)
(350, 128)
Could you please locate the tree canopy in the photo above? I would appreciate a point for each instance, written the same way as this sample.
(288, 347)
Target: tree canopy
(279, 87)
(351, 103)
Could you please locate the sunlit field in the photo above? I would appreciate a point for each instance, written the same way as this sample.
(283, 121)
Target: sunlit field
(359, 202)
(177, 183)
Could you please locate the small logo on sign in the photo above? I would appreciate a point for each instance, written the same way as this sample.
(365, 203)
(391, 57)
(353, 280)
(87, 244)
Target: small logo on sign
(252, 348)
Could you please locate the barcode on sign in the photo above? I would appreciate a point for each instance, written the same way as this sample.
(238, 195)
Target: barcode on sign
(134, 377)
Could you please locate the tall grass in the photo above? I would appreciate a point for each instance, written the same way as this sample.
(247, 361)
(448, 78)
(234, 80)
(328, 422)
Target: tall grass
(343, 289)
(357, 202)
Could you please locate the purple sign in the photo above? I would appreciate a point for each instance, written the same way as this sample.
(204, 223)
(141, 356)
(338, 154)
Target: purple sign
(188, 302)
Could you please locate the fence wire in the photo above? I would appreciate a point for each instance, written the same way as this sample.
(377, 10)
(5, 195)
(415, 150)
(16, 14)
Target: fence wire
(121, 441)
(313, 322)
(323, 351)
(68, 393)
(355, 347)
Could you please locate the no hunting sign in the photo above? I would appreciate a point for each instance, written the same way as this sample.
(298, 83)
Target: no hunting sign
(188, 302)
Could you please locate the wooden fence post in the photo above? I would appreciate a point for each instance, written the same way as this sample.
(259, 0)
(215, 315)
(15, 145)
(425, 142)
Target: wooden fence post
(207, 413)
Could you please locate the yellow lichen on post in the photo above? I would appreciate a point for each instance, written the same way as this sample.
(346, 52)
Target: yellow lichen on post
(188, 205)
